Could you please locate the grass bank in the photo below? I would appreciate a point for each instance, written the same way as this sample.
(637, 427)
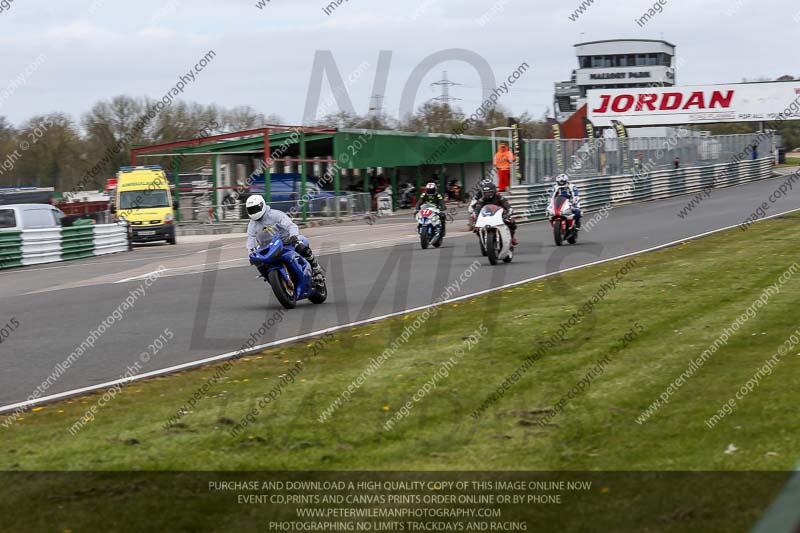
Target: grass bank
(637, 339)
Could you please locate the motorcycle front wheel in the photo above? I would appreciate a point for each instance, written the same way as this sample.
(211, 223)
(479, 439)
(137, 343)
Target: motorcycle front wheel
(492, 245)
(423, 238)
(283, 291)
(558, 236)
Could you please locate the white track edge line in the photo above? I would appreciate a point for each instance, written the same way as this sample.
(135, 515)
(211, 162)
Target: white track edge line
(262, 347)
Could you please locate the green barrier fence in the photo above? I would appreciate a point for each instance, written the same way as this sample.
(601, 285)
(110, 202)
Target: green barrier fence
(10, 249)
(77, 242)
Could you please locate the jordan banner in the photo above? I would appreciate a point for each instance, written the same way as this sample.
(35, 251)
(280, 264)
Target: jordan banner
(698, 104)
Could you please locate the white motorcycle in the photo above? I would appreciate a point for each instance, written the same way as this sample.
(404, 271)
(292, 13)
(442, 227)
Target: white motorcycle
(494, 235)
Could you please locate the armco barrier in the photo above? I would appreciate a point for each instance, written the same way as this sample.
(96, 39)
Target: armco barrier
(41, 246)
(77, 242)
(10, 249)
(38, 246)
(110, 239)
(530, 201)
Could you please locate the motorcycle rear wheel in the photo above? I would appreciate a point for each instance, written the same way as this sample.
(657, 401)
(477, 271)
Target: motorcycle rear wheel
(318, 294)
(283, 292)
(438, 242)
(572, 239)
(484, 253)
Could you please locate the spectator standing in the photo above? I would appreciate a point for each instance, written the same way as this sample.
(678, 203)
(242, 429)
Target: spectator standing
(502, 162)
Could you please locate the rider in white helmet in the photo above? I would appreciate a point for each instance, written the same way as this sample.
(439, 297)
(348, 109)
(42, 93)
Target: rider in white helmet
(432, 196)
(266, 223)
(565, 188)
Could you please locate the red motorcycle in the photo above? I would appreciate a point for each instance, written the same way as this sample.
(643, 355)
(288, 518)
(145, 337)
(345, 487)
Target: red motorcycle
(562, 218)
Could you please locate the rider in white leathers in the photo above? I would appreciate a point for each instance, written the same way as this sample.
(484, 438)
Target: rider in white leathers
(265, 223)
(563, 187)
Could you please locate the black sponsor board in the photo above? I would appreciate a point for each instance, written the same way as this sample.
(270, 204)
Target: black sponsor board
(386, 501)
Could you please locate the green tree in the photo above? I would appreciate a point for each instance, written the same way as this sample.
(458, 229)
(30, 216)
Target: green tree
(52, 157)
(8, 136)
(342, 119)
(108, 125)
(433, 117)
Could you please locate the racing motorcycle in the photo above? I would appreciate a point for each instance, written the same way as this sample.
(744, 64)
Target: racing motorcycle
(429, 226)
(494, 235)
(562, 219)
(288, 273)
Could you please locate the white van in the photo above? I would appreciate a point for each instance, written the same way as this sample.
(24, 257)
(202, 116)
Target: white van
(17, 217)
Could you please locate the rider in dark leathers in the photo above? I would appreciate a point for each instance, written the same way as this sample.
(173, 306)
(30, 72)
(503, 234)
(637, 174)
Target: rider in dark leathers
(490, 196)
(479, 188)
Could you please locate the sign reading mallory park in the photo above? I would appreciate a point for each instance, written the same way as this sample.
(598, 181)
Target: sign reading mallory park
(620, 75)
(653, 106)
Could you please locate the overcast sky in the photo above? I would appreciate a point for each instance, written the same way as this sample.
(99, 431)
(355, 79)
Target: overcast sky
(96, 49)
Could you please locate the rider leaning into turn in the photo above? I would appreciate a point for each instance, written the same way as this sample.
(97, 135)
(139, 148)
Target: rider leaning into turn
(432, 196)
(565, 188)
(266, 223)
(490, 196)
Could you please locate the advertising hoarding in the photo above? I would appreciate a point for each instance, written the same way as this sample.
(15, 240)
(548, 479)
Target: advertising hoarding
(738, 102)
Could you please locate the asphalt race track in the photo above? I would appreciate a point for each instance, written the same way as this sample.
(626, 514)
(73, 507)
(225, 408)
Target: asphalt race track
(211, 300)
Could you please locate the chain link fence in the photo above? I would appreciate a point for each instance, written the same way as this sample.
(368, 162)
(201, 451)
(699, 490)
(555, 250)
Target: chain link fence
(199, 208)
(584, 158)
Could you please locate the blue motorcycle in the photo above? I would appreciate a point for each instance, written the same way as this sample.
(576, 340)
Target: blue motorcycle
(429, 226)
(288, 273)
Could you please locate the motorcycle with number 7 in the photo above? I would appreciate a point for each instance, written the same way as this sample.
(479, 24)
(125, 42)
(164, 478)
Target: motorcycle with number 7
(429, 226)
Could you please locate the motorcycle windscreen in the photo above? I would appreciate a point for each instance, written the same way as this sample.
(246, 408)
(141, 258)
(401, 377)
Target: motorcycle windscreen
(490, 210)
(558, 204)
(272, 251)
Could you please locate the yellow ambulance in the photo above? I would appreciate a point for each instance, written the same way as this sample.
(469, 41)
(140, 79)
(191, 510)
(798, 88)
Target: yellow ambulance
(143, 199)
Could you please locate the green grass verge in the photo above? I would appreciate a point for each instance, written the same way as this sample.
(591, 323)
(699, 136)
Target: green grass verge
(790, 162)
(678, 299)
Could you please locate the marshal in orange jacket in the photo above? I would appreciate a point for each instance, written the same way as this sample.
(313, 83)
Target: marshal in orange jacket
(504, 158)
